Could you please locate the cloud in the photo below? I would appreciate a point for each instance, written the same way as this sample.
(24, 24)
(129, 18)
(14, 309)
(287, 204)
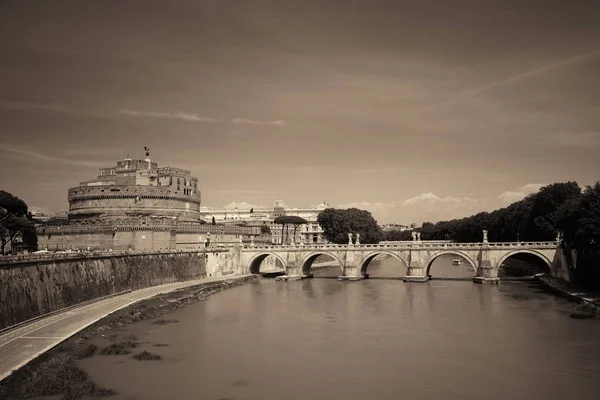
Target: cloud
(365, 205)
(180, 116)
(255, 122)
(32, 154)
(515, 78)
(430, 198)
(192, 117)
(509, 197)
(244, 191)
(240, 206)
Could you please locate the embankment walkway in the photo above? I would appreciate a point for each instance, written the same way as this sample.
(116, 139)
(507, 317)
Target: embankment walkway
(22, 344)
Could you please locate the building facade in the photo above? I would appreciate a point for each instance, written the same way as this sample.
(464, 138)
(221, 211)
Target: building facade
(258, 216)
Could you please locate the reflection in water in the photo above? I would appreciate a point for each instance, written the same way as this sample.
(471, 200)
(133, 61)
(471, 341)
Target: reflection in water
(389, 267)
(377, 339)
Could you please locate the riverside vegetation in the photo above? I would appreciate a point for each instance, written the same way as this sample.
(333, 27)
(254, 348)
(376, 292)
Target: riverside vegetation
(56, 371)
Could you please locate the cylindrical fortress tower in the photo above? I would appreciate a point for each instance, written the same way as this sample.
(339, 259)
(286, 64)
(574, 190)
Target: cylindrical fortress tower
(134, 190)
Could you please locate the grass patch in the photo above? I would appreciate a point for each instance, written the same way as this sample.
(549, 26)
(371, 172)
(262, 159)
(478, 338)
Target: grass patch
(164, 321)
(147, 356)
(57, 375)
(85, 351)
(118, 348)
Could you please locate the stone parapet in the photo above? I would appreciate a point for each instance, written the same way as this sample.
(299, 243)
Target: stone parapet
(12, 261)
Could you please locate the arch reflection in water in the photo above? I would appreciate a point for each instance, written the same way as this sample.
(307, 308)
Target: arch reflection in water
(315, 261)
(524, 263)
(383, 264)
(267, 263)
(444, 266)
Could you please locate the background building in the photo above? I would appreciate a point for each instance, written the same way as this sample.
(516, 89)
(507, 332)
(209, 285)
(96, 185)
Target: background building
(259, 216)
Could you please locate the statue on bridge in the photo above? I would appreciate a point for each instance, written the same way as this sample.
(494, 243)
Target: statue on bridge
(357, 238)
(350, 239)
(414, 236)
(418, 236)
(559, 237)
(485, 238)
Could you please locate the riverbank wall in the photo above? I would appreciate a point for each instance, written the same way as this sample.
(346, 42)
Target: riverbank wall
(37, 285)
(565, 289)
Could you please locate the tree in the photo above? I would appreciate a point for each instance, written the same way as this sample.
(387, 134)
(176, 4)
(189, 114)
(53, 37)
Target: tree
(264, 229)
(285, 221)
(15, 222)
(579, 219)
(337, 224)
(397, 235)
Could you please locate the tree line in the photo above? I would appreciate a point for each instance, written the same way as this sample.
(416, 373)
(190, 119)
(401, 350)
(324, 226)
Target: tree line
(559, 207)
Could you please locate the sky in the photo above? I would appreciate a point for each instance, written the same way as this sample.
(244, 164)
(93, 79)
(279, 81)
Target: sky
(415, 110)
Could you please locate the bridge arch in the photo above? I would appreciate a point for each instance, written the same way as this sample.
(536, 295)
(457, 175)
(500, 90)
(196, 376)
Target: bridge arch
(309, 259)
(256, 261)
(540, 255)
(364, 264)
(465, 256)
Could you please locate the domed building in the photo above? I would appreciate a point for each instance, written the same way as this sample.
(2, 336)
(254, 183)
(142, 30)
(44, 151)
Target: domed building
(137, 205)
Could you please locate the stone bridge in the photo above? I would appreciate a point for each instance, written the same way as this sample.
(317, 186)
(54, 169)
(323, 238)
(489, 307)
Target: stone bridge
(485, 258)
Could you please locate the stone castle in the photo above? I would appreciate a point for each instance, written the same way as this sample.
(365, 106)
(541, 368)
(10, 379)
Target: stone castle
(138, 205)
(136, 190)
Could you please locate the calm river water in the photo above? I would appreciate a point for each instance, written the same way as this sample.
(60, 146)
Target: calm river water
(373, 339)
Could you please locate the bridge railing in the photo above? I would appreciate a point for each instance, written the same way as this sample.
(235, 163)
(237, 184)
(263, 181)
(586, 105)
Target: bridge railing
(408, 245)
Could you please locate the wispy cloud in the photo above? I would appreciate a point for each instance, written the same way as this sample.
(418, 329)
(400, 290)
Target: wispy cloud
(39, 156)
(466, 95)
(255, 122)
(240, 206)
(510, 196)
(244, 191)
(366, 205)
(190, 117)
(431, 198)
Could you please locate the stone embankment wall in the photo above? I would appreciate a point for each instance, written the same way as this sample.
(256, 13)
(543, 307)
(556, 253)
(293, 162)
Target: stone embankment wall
(30, 287)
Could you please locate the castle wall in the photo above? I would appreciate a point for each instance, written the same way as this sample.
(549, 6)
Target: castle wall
(138, 238)
(33, 288)
(123, 201)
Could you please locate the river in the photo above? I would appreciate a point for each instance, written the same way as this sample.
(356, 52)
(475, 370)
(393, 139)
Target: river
(372, 339)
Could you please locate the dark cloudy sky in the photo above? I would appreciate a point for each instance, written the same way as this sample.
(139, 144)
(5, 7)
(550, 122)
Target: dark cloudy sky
(413, 109)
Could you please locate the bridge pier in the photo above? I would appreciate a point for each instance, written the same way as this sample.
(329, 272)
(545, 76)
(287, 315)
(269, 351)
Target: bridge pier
(416, 270)
(486, 273)
(351, 273)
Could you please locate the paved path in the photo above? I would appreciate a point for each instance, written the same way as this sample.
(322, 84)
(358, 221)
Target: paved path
(23, 344)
